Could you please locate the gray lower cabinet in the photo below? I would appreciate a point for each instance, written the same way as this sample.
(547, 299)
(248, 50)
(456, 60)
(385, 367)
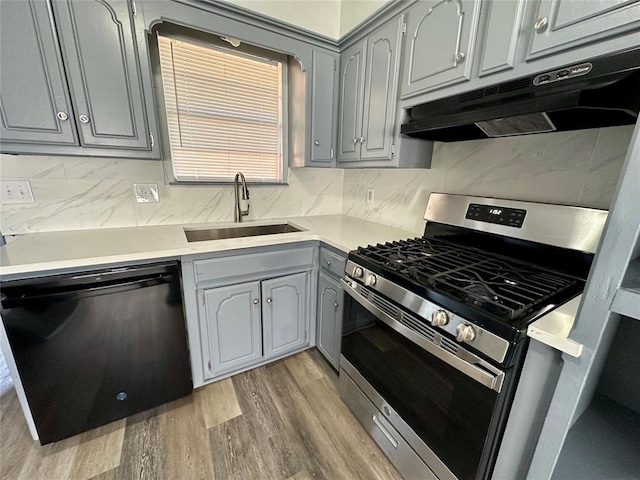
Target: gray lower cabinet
(233, 326)
(285, 303)
(34, 101)
(563, 24)
(368, 95)
(73, 82)
(330, 296)
(439, 44)
(254, 321)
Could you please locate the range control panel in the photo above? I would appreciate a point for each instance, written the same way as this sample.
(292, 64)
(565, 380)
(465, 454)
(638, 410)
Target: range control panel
(510, 217)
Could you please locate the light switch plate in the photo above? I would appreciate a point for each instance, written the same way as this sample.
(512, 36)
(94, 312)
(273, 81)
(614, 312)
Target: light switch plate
(146, 192)
(16, 191)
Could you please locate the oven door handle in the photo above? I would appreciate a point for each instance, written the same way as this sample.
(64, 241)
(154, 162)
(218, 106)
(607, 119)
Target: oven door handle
(480, 371)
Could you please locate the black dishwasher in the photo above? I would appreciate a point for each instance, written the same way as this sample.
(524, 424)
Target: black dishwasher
(98, 346)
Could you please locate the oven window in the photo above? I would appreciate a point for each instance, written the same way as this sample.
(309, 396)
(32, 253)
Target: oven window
(448, 410)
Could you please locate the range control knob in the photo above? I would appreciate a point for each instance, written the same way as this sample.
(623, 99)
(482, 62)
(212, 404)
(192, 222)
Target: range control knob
(371, 280)
(358, 272)
(465, 333)
(439, 318)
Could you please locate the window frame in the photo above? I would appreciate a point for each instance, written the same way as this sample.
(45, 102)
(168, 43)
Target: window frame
(208, 39)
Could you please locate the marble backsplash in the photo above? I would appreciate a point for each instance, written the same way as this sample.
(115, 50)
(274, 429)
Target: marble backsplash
(573, 168)
(86, 193)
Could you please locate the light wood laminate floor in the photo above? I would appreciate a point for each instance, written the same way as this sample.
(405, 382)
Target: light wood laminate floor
(281, 421)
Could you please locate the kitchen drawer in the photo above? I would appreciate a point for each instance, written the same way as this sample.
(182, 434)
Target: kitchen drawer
(239, 265)
(405, 459)
(332, 263)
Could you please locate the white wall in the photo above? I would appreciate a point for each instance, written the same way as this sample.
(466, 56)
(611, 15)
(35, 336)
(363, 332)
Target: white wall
(573, 168)
(353, 12)
(332, 18)
(320, 16)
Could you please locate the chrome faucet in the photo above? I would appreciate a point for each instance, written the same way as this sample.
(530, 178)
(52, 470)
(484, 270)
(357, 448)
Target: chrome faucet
(242, 204)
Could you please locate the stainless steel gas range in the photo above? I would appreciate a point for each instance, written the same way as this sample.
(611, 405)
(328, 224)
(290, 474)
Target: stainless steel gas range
(434, 332)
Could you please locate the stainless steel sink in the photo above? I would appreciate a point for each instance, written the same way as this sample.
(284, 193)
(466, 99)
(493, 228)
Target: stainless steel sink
(199, 235)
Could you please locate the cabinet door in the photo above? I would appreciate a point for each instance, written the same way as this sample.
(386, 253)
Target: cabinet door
(381, 91)
(322, 107)
(563, 24)
(501, 36)
(99, 50)
(285, 313)
(232, 320)
(439, 44)
(330, 295)
(34, 103)
(351, 91)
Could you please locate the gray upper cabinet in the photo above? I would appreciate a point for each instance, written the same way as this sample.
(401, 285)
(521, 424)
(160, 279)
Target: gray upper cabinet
(99, 48)
(439, 44)
(285, 313)
(330, 296)
(500, 44)
(381, 91)
(563, 24)
(34, 102)
(351, 91)
(323, 112)
(369, 95)
(231, 318)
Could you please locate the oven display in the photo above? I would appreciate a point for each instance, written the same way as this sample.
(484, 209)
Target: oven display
(510, 217)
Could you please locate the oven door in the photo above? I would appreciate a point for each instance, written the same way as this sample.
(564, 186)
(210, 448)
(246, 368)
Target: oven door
(446, 395)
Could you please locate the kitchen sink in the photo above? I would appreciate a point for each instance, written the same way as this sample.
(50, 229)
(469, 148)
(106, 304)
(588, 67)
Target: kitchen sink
(199, 235)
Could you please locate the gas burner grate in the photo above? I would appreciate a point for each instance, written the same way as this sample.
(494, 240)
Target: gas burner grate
(503, 287)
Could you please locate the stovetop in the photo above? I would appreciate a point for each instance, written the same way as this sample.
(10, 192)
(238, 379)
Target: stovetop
(498, 293)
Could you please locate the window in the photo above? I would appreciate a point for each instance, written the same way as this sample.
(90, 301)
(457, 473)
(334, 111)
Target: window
(224, 112)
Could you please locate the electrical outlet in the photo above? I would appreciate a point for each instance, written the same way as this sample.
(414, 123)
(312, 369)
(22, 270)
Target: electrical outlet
(146, 192)
(16, 191)
(370, 197)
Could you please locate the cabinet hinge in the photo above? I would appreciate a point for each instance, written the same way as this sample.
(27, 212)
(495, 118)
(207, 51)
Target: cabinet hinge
(335, 64)
(152, 141)
(331, 154)
(404, 27)
(209, 365)
(202, 297)
(133, 8)
(393, 148)
(305, 333)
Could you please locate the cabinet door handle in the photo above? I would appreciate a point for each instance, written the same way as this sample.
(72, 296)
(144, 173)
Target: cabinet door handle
(268, 300)
(541, 24)
(328, 263)
(335, 305)
(459, 57)
(256, 301)
(361, 139)
(62, 115)
(84, 119)
(317, 142)
(355, 140)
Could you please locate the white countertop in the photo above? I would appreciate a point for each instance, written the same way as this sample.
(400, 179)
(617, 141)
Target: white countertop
(42, 252)
(33, 254)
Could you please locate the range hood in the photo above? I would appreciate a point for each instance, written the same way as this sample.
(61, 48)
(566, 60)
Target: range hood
(601, 92)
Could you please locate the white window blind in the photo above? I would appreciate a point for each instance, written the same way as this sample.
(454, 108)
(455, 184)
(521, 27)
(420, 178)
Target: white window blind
(224, 112)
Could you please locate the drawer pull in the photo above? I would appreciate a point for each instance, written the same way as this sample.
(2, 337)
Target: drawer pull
(384, 431)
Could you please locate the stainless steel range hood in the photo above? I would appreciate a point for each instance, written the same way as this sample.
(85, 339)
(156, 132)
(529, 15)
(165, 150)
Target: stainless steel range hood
(601, 92)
